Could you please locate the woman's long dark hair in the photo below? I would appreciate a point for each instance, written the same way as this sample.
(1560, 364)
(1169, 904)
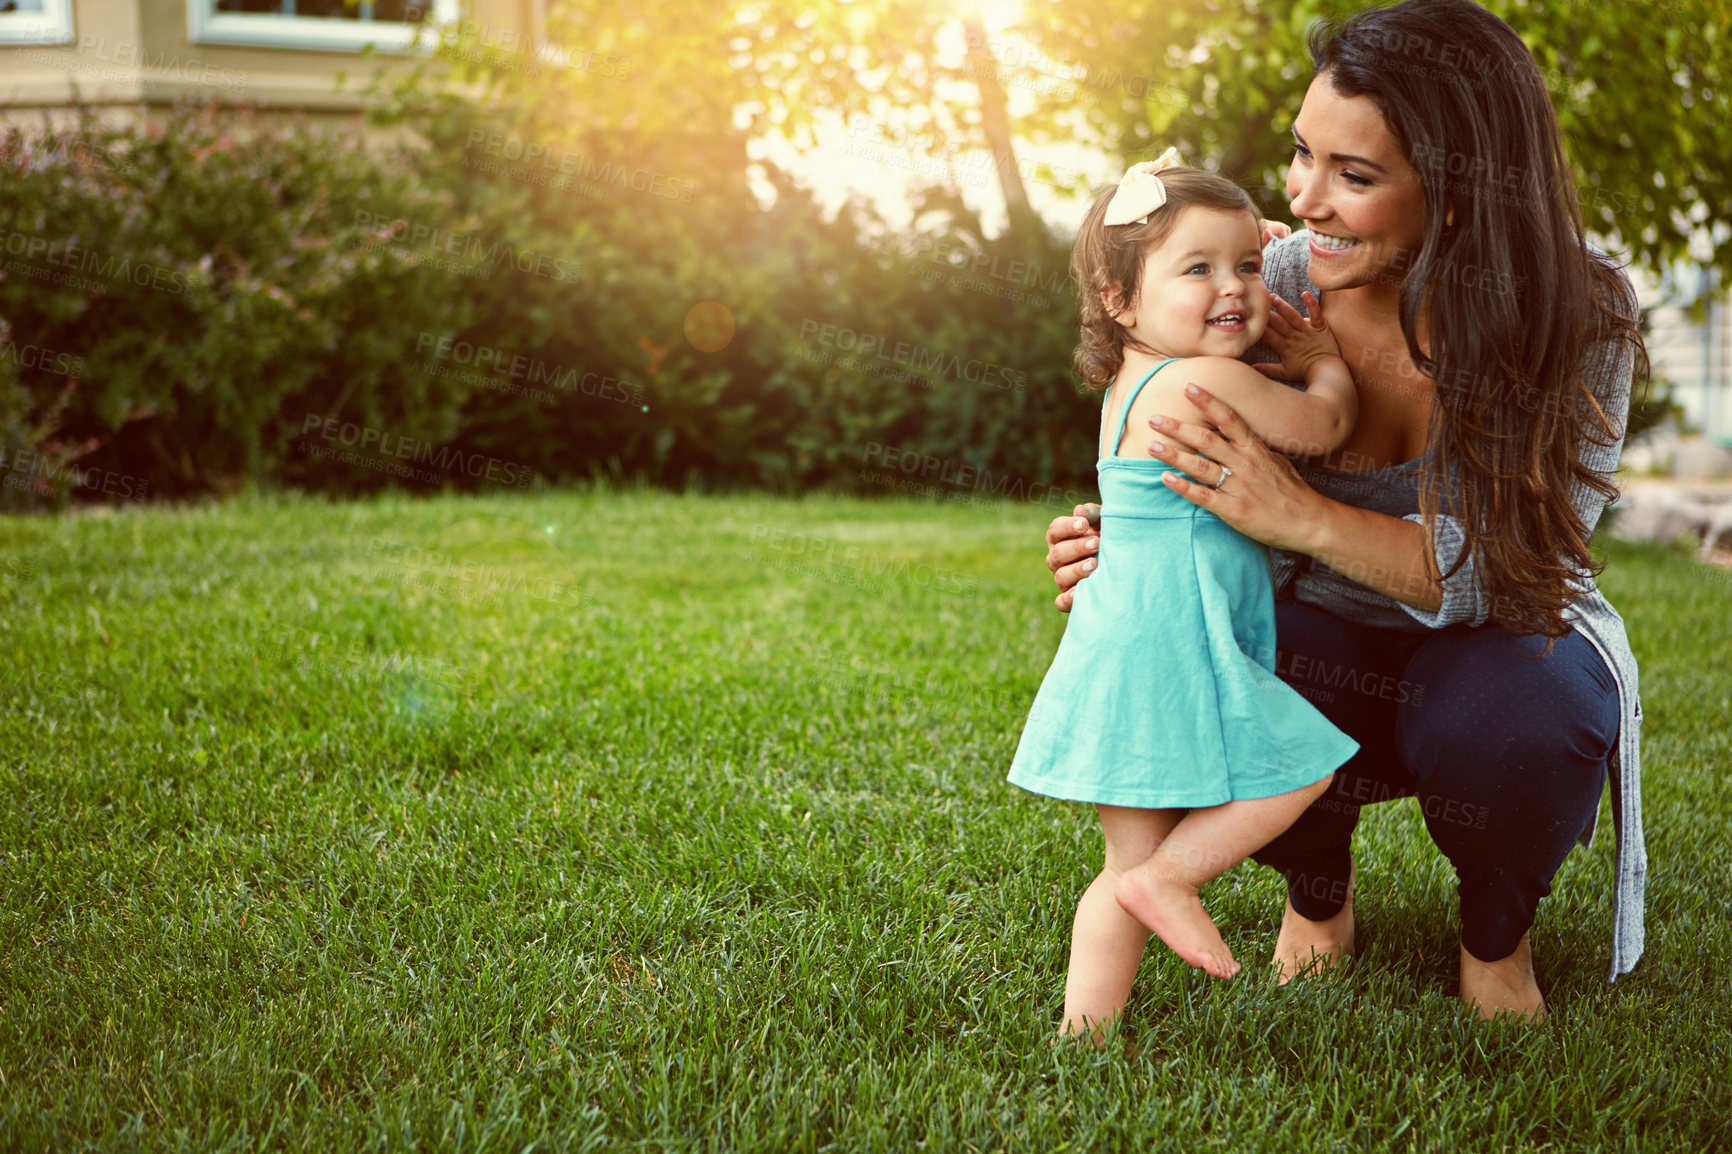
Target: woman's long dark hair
(1510, 293)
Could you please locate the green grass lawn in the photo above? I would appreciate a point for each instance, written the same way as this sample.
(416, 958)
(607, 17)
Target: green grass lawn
(591, 821)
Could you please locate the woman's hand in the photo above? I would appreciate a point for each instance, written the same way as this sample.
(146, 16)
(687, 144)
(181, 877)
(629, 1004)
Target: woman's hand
(1273, 230)
(1071, 545)
(1263, 497)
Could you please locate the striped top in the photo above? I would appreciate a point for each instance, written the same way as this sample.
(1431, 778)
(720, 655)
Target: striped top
(1609, 369)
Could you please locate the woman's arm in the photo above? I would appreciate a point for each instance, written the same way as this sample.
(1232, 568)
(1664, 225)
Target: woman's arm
(1385, 554)
(1265, 498)
(1610, 372)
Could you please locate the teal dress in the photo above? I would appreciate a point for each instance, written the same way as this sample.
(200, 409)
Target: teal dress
(1163, 692)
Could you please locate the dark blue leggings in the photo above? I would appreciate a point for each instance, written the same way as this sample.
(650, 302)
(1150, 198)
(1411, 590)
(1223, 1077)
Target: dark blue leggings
(1505, 750)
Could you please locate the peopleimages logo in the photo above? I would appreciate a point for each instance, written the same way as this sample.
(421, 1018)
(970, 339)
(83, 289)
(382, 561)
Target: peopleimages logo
(42, 359)
(43, 474)
(960, 259)
(930, 154)
(806, 554)
(1006, 58)
(531, 154)
(66, 151)
(470, 246)
(70, 256)
(917, 359)
(125, 59)
(914, 464)
(529, 371)
(466, 578)
(441, 457)
(472, 39)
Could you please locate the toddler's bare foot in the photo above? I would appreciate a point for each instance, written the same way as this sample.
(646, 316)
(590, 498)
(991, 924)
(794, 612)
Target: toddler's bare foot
(1174, 912)
(1304, 946)
(1095, 1034)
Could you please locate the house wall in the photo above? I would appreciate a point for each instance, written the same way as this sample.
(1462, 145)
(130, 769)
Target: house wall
(138, 53)
(1688, 347)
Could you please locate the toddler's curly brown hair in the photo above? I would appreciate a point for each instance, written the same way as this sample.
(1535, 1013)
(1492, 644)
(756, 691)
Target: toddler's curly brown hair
(1109, 260)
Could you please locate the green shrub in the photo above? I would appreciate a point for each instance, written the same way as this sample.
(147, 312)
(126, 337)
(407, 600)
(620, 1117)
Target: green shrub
(206, 283)
(239, 300)
(969, 367)
(213, 299)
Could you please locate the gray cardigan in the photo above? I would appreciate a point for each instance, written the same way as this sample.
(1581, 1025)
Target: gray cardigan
(1609, 370)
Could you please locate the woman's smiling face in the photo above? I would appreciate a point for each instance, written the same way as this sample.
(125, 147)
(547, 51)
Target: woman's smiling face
(1353, 188)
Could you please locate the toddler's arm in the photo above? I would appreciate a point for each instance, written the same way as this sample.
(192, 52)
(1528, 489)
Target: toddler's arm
(1310, 353)
(1298, 424)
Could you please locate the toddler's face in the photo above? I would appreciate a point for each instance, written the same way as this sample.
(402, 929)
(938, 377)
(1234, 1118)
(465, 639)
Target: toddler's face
(1203, 292)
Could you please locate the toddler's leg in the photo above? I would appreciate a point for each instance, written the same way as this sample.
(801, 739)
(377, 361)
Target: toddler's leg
(1161, 893)
(1106, 943)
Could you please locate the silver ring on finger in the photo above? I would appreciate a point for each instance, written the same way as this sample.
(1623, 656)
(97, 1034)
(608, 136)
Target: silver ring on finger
(1225, 473)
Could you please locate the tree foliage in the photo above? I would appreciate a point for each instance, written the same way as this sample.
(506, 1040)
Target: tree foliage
(721, 329)
(1641, 91)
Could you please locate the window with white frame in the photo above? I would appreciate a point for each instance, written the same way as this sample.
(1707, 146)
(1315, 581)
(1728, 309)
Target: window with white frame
(318, 25)
(35, 21)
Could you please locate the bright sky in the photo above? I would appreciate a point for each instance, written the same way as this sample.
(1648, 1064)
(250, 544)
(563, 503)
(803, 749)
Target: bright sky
(871, 162)
(852, 164)
(861, 159)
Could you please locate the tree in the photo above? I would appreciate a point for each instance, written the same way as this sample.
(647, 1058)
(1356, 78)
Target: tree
(1640, 89)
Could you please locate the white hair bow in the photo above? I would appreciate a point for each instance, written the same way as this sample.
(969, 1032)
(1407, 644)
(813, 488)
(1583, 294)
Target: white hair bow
(1140, 191)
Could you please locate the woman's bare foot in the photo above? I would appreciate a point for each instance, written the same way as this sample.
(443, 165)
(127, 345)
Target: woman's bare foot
(1503, 987)
(1304, 946)
(1175, 913)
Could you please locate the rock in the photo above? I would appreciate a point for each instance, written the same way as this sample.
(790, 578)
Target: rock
(1719, 525)
(1696, 458)
(1661, 517)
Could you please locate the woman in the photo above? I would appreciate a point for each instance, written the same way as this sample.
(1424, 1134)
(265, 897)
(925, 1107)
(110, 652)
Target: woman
(1435, 581)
